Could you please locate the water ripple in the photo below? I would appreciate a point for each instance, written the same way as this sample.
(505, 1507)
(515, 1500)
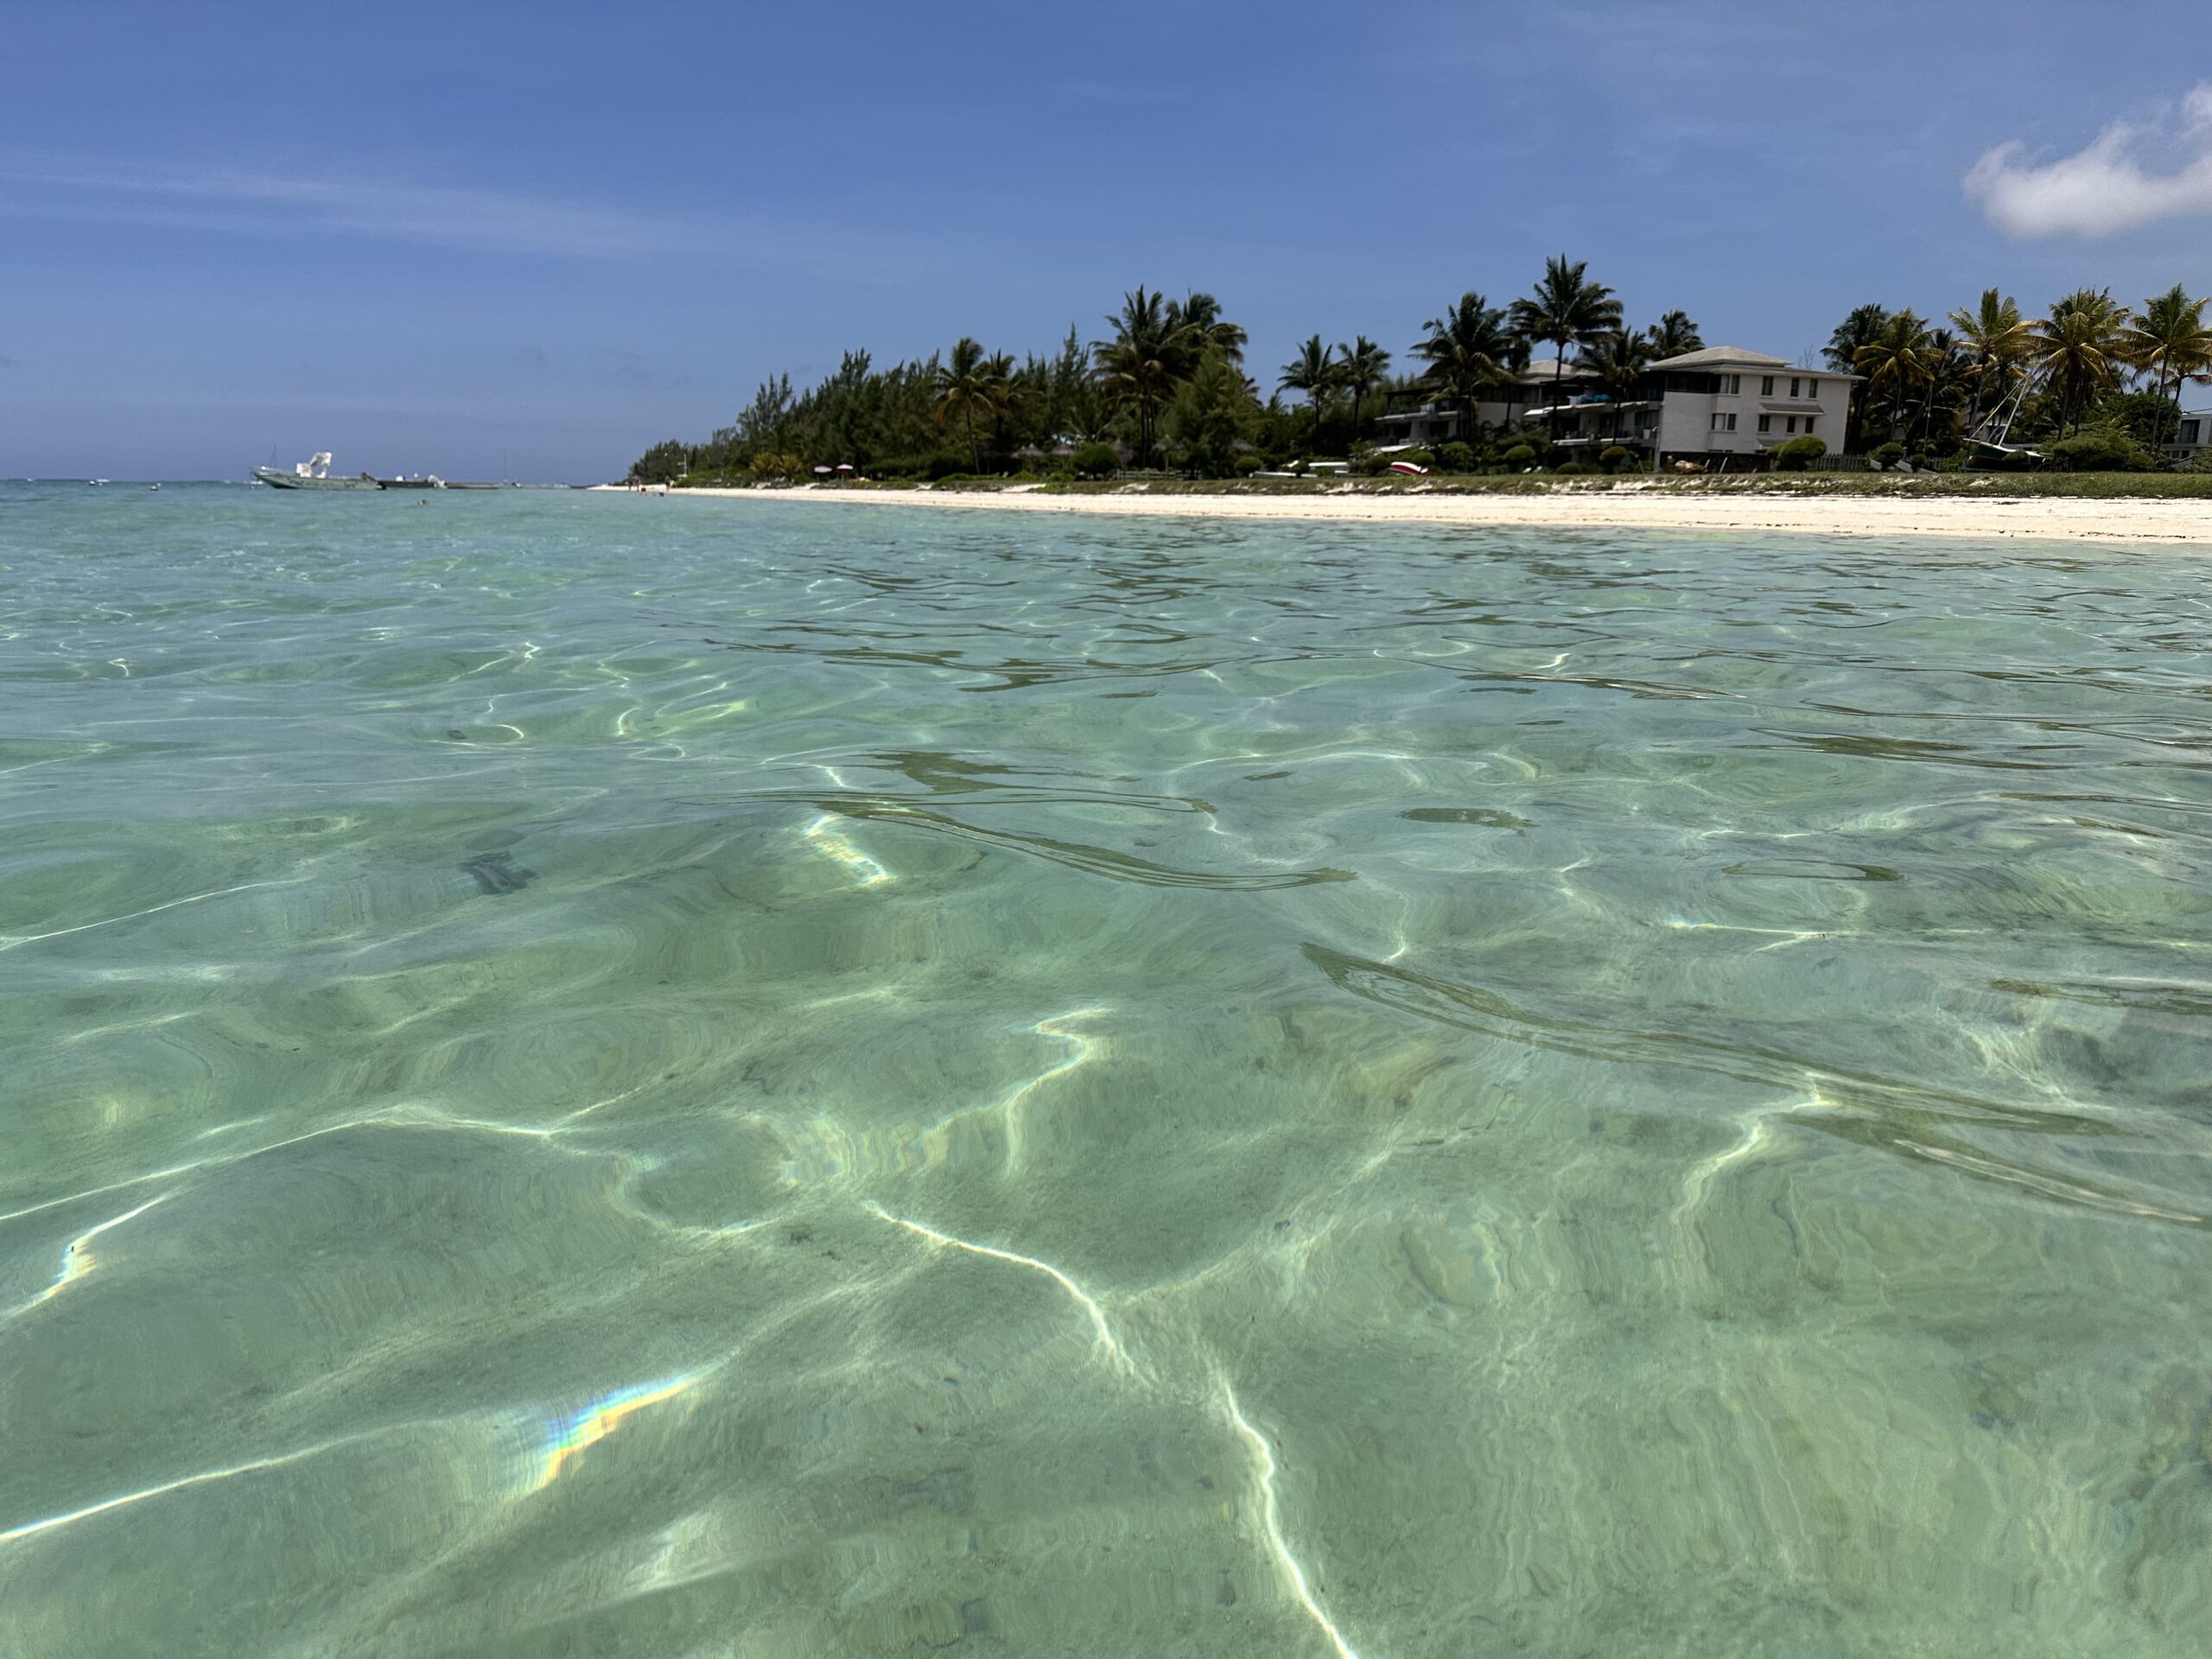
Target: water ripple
(585, 1073)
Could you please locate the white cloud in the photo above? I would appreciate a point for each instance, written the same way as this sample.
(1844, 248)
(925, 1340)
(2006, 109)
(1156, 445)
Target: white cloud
(228, 198)
(240, 201)
(2115, 183)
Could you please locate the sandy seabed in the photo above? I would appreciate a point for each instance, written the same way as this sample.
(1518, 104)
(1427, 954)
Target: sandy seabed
(1628, 508)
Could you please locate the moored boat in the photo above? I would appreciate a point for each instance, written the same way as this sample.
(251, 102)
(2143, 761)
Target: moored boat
(314, 474)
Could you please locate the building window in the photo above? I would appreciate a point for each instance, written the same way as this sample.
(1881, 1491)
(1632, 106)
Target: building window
(1812, 389)
(1793, 385)
(2188, 432)
(1810, 419)
(1724, 422)
(1793, 422)
(1766, 386)
(1766, 423)
(1731, 385)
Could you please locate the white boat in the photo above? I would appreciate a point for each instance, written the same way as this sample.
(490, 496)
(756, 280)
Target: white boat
(314, 474)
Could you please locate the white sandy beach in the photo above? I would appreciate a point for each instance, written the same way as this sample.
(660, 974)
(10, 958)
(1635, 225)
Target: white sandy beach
(1622, 508)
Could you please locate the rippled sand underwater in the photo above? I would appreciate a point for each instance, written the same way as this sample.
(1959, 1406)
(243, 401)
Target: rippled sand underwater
(584, 1075)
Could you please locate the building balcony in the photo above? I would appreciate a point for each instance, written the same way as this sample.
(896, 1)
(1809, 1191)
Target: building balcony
(1643, 436)
(1587, 406)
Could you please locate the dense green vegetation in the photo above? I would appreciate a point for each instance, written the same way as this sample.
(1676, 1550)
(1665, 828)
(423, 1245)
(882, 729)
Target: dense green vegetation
(1165, 387)
(2094, 386)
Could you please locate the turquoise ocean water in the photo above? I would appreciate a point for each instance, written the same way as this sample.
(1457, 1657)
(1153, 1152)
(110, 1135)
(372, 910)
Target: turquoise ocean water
(586, 1075)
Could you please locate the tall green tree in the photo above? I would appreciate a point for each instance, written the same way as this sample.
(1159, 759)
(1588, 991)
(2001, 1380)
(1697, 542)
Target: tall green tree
(1466, 352)
(2081, 348)
(1316, 372)
(1617, 361)
(2170, 343)
(1362, 366)
(1145, 362)
(1211, 332)
(1998, 345)
(1566, 308)
(1896, 362)
(972, 385)
(1855, 331)
(1212, 417)
(1675, 334)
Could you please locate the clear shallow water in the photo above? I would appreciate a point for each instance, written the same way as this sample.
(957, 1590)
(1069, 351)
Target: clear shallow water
(586, 1074)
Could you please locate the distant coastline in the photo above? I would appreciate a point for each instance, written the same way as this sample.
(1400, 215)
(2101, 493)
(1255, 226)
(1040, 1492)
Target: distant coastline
(1987, 508)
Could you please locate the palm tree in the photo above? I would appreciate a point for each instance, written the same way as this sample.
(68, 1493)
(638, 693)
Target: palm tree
(1617, 361)
(2081, 345)
(1855, 331)
(972, 384)
(1316, 372)
(1948, 381)
(1900, 356)
(1566, 308)
(1841, 353)
(1998, 343)
(1201, 315)
(2170, 342)
(1470, 349)
(1675, 334)
(1148, 359)
(1361, 367)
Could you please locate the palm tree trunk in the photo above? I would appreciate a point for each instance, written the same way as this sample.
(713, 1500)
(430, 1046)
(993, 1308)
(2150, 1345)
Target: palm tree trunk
(1558, 366)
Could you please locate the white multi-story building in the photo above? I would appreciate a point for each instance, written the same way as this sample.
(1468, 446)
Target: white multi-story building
(1719, 403)
(1727, 401)
(2192, 436)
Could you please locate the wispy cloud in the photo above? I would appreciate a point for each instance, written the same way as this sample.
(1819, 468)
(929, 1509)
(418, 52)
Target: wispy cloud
(245, 202)
(2130, 174)
(222, 198)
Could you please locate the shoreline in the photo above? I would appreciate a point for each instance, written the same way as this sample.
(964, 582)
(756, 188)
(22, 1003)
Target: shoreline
(2123, 520)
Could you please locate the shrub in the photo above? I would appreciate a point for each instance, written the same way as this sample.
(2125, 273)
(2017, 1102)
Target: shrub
(1097, 461)
(1456, 457)
(1798, 454)
(2099, 450)
(1418, 457)
(1888, 455)
(1580, 469)
(1519, 455)
(1370, 465)
(1614, 457)
(767, 463)
(1245, 466)
(1297, 467)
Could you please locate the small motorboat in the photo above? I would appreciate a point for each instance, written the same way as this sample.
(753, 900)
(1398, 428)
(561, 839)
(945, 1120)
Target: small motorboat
(313, 473)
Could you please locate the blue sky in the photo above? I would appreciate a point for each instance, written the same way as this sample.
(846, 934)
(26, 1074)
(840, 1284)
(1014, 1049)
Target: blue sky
(470, 236)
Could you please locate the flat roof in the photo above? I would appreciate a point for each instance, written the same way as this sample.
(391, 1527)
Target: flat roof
(1721, 357)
